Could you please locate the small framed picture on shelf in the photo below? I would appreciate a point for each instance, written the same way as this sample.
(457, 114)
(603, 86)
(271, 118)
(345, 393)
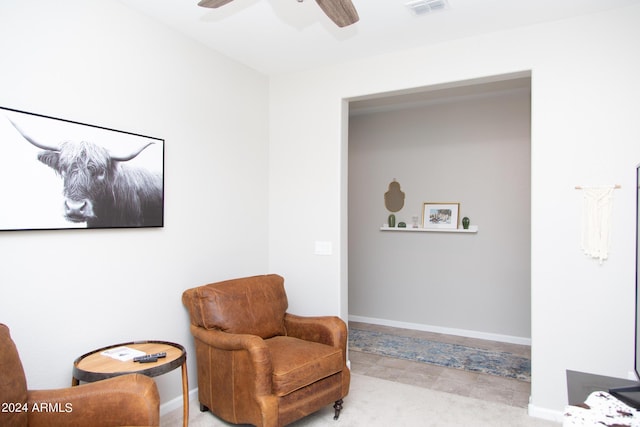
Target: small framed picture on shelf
(440, 215)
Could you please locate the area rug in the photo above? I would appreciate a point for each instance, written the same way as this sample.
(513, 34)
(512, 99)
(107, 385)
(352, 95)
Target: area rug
(457, 356)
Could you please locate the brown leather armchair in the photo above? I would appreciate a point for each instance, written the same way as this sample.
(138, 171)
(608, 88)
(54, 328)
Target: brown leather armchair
(258, 364)
(125, 400)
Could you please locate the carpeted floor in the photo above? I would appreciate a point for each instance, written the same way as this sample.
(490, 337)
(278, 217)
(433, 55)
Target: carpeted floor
(376, 402)
(448, 355)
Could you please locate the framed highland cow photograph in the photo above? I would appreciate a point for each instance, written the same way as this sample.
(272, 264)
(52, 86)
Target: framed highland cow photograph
(60, 174)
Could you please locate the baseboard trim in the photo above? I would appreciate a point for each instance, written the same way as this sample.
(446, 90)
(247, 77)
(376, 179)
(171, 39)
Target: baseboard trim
(176, 402)
(545, 414)
(442, 330)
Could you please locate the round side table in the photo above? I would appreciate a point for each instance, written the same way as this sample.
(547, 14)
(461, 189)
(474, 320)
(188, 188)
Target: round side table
(94, 366)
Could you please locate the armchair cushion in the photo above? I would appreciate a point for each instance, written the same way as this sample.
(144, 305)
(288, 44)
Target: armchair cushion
(298, 363)
(254, 305)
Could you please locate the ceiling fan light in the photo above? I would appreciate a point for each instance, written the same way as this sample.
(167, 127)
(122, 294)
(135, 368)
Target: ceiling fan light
(421, 7)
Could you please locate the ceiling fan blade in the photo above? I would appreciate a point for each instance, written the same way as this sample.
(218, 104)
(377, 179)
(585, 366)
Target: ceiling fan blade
(342, 12)
(213, 3)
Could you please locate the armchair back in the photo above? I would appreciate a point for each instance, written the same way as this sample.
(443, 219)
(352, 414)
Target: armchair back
(254, 305)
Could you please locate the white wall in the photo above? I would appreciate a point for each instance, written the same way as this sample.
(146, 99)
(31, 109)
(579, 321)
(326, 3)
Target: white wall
(584, 131)
(63, 293)
(473, 150)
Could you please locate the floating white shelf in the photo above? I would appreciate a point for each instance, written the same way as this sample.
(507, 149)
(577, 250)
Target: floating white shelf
(472, 229)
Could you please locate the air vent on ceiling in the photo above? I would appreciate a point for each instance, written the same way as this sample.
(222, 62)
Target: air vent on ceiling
(420, 7)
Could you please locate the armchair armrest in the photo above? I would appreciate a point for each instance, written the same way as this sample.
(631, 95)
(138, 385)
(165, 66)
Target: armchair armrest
(330, 330)
(124, 400)
(259, 355)
(226, 341)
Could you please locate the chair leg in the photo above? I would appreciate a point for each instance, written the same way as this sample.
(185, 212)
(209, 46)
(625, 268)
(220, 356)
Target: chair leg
(338, 407)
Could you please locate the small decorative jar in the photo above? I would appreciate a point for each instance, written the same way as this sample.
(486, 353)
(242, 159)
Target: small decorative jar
(465, 222)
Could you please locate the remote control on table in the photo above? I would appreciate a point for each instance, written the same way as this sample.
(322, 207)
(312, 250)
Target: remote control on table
(148, 358)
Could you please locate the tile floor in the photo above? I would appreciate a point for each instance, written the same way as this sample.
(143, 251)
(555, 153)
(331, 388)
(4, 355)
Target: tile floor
(480, 386)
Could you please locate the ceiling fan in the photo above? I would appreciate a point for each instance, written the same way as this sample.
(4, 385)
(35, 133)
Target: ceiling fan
(342, 12)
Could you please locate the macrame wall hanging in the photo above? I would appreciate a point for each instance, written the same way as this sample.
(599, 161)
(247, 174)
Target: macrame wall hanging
(597, 210)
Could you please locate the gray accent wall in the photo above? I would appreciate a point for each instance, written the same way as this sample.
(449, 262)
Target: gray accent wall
(475, 150)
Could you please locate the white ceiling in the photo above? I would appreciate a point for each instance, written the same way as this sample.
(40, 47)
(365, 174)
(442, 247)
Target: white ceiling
(276, 36)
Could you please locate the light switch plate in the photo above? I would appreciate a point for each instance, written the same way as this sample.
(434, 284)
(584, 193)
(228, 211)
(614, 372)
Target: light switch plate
(323, 248)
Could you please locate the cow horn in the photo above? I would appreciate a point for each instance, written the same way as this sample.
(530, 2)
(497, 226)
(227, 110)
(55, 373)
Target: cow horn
(33, 141)
(125, 157)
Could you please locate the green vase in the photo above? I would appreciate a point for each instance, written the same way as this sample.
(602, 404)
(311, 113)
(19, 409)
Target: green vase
(392, 220)
(465, 223)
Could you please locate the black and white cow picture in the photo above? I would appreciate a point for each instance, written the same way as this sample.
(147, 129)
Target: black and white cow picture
(102, 188)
